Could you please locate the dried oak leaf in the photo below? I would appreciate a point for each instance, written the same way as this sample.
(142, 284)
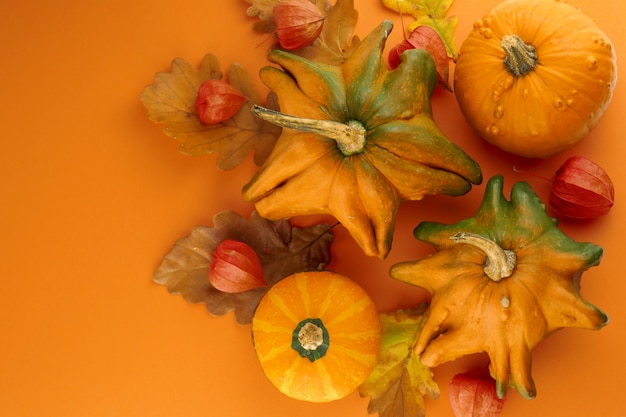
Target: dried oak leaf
(282, 249)
(337, 41)
(171, 101)
(430, 13)
(399, 382)
(264, 10)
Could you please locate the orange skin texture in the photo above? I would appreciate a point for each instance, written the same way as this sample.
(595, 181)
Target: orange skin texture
(551, 108)
(405, 155)
(352, 322)
(472, 313)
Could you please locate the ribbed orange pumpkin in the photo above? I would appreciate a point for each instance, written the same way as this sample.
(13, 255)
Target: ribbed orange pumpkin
(317, 335)
(535, 76)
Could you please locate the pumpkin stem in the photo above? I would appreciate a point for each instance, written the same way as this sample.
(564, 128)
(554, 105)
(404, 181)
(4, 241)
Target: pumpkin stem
(310, 336)
(310, 339)
(350, 136)
(500, 262)
(520, 58)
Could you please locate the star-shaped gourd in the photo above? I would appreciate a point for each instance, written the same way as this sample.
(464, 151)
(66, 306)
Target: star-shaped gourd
(501, 282)
(358, 139)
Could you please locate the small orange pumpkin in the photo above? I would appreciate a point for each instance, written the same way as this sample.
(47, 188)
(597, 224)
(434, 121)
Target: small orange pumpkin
(317, 335)
(535, 76)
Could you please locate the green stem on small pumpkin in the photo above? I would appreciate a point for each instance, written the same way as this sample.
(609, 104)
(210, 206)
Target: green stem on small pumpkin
(310, 339)
(500, 262)
(310, 336)
(520, 57)
(350, 136)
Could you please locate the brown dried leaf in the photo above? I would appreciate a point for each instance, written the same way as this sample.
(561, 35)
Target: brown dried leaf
(264, 10)
(282, 249)
(171, 101)
(337, 41)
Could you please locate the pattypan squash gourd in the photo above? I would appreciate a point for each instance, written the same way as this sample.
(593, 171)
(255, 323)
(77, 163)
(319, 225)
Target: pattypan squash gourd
(358, 140)
(501, 282)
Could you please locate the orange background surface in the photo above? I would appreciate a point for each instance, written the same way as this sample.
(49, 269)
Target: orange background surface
(94, 194)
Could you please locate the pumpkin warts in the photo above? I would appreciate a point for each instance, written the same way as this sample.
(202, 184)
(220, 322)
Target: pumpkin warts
(534, 77)
(507, 317)
(397, 153)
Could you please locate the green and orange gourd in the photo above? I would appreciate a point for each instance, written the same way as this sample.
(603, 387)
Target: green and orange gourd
(357, 141)
(501, 282)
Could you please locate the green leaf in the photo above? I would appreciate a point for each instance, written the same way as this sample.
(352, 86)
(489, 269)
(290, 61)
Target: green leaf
(399, 382)
(429, 13)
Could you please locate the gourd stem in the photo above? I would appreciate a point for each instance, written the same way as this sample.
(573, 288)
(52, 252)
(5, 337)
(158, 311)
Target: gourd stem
(350, 136)
(311, 336)
(500, 262)
(520, 57)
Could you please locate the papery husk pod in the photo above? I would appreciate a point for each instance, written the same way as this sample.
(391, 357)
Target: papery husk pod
(218, 101)
(236, 268)
(298, 23)
(582, 189)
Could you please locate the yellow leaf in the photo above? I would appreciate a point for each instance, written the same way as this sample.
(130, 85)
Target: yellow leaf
(429, 13)
(171, 101)
(444, 27)
(399, 382)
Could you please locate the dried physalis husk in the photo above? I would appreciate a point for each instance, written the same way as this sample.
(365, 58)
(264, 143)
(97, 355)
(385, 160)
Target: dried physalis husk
(218, 101)
(425, 37)
(236, 268)
(298, 23)
(581, 189)
(473, 394)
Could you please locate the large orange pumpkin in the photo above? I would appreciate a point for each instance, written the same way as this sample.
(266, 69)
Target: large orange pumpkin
(535, 76)
(317, 335)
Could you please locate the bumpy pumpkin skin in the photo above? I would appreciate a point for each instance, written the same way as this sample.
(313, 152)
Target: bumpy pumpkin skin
(350, 318)
(471, 313)
(405, 155)
(551, 108)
